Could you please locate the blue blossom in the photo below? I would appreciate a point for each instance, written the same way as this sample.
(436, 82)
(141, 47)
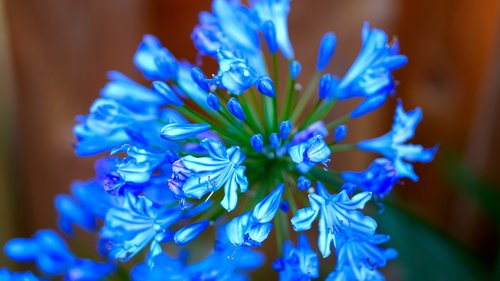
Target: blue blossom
(326, 49)
(201, 175)
(370, 75)
(276, 11)
(252, 228)
(285, 129)
(316, 128)
(379, 178)
(155, 61)
(130, 227)
(134, 96)
(6, 275)
(297, 264)
(340, 133)
(337, 213)
(358, 258)
(310, 153)
(257, 142)
(235, 74)
(52, 257)
(217, 266)
(190, 88)
(213, 101)
(303, 183)
(265, 86)
(274, 140)
(234, 106)
(166, 92)
(392, 145)
(153, 194)
(139, 163)
(231, 26)
(71, 212)
(295, 69)
(269, 33)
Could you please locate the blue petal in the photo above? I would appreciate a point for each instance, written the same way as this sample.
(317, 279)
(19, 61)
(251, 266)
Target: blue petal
(190, 232)
(178, 132)
(266, 209)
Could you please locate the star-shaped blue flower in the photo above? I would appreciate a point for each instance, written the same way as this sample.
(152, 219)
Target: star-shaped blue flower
(337, 212)
(392, 145)
(197, 176)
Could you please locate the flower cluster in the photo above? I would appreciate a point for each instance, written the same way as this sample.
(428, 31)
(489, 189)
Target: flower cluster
(237, 153)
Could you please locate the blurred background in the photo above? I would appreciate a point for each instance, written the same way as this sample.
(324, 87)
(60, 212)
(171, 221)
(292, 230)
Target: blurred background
(54, 55)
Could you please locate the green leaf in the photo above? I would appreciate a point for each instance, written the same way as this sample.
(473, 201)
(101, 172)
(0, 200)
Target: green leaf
(467, 181)
(424, 252)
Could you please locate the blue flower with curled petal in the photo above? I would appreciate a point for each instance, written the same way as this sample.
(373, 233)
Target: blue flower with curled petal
(391, 145)
(235, 75)
(337, 213)
(379, 178)
(297, 264)
(139, 163)
(197, 176)
(6, 275)
(252, 228)
(310, 153)
(276, 11)
(130, 227)
(52, 256)
(231, 26)
(370, 75)
(155, 61)
(358, 258)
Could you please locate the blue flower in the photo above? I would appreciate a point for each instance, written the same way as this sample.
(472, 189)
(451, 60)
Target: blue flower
(6, 275)
(231, 26)
(52, 257)
(252, 228)
(310, 153)
(337, 213)
(235, 74)
(139, 163)
(358, 258)
(379, 178)
(130, 227)
(391, 145)
(316, 128)
(190, 88)
(297, 264)
(370, 75)
(136, 97)
(89, 202)
(277, 12)
(155, 61)
(200, 176)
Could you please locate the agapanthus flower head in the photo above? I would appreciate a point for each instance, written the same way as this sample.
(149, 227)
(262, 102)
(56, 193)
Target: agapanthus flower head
(237, 151)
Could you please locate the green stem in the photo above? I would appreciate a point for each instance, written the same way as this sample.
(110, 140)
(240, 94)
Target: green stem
(304, 99)
(339, 121)
(343, 147)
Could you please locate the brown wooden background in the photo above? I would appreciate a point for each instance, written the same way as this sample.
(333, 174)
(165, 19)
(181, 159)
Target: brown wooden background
(54, 56)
